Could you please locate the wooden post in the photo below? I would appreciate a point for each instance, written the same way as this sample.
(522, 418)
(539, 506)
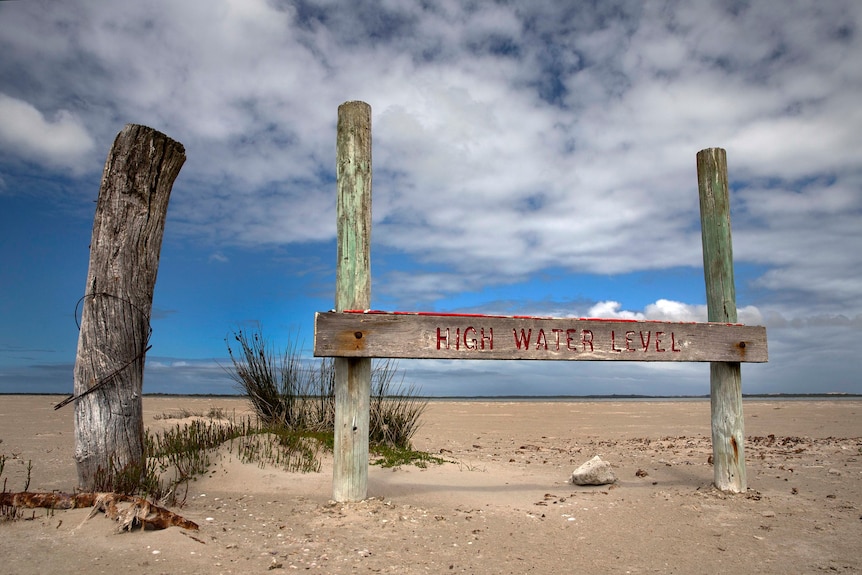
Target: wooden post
(115, 320)
(352, 291)
(725, 380)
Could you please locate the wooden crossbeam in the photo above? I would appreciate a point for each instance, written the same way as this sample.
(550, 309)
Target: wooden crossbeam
(455, 336)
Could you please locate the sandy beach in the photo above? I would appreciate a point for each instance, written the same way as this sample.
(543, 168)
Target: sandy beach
(503, 503)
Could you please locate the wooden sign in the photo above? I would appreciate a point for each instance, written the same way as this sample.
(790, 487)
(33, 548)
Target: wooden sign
(454, 336)
(361, 335)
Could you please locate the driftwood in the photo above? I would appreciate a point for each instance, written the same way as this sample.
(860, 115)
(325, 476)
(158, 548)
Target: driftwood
(130, 511)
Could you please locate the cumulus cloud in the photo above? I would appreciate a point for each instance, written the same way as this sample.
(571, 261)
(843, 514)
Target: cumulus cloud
(59, 141)
(668, 310)
(509, 138)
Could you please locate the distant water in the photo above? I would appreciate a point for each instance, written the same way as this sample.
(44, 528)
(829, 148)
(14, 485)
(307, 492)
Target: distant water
(559, 398)
(643, 398)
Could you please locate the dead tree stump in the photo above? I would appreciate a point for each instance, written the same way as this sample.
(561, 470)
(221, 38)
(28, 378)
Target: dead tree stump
(115, 319)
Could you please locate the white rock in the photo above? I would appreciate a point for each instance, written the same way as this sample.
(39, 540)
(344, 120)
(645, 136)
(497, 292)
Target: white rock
(596, 471)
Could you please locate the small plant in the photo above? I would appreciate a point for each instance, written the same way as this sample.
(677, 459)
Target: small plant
(186, 451)
(395, 411)
(128, 479)
(282, 448)
(29, 470)
(26, 479)
(216, 413)
(390, 456)
(286, 390)
(178, 455)
(10, 512)
(466, 465)
(183, 413)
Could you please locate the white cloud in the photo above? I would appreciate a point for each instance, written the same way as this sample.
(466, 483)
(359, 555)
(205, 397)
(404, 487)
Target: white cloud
(508, 139)
(58, 141)
(611, 310)
(669, 310)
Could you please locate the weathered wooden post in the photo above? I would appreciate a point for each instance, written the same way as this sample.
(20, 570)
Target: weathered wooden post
(352, 291)
(725, 378)
(115, 320)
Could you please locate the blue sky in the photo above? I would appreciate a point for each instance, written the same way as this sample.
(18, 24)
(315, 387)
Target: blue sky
(532, 157)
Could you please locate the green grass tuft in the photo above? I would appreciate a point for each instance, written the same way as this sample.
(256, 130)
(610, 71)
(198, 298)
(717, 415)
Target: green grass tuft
(389, 456)
(299, 394)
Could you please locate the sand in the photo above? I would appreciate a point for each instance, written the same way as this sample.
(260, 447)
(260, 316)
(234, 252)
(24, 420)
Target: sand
(504, 503)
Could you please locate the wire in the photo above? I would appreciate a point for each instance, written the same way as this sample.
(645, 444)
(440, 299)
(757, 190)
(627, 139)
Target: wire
(110, 377)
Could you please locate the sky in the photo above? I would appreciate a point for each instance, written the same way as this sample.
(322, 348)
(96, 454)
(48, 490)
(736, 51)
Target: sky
(530, 158)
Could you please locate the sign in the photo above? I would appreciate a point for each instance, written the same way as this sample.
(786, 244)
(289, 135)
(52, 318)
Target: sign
(455, 336)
